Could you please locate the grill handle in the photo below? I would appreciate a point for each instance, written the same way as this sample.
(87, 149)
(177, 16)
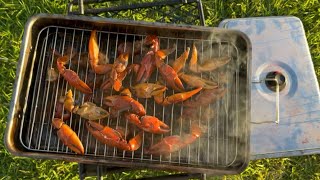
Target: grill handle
(195, 14)
(277, 98)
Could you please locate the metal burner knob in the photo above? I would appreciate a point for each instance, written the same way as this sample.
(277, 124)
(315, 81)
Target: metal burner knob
(275, 78)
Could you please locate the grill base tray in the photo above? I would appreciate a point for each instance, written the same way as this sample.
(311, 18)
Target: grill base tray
(223, 149)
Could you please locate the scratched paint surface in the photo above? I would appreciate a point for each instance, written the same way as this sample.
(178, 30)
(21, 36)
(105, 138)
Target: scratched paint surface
(279, 44)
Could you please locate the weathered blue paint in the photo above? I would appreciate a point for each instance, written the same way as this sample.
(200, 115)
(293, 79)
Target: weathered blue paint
(279, 44)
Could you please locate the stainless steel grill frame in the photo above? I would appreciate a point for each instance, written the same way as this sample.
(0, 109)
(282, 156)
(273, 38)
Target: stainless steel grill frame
(33, 113)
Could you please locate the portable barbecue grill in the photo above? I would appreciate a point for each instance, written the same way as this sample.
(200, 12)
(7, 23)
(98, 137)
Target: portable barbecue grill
(224, 147)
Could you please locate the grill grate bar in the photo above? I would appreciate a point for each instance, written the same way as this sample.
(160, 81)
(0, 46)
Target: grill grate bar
(56, 95)
(207, 149)
(208, 118)
(94, 85)
(40, 67)
(217, 125)
(130, 82)
(126, 122)
(41, 55)
(66, 88)
(63, 82)
(79, 58)
(104, 78)
(227, 116)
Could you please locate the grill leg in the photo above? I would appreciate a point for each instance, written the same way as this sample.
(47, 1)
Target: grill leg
(81, 171)
(99, 173)
(98, 170)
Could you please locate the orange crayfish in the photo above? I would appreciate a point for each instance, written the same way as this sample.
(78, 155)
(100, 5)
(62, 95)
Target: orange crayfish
(118, 73)
(195, 81)
(174, 143)
(71, 76)
(148, 90)
(168, 73)
(148, 64)
(206, 97)
(175, 98)
(124, 103)
(148, 123)
(112, 137)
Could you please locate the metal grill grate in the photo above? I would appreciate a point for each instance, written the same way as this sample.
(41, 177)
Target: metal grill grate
(219, 145)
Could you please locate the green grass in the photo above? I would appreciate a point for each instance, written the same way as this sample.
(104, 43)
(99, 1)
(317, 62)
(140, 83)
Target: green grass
(13, 16)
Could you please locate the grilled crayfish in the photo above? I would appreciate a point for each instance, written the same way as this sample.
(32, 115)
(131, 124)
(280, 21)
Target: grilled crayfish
(71, 76)
(206, 97)
(148, 90)
(174, 143)
(148, 123)
(123, 103)
(148, 64)
(168, 73)
(112, 137)
(118, 73)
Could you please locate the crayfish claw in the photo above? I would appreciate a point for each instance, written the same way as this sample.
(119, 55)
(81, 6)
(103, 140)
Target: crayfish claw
(174, 143)
(195, 81)
(178, 84)
(94, 56)
(164, 128)
(179, 97)
(135, 142)
(133, 118)
(103, 68)
(163, 53)
(169, 75)
(83, 87)
(126, 92)
(71, 76)
(166, 146)
(208, 65)
(179, 63)
(69, 101)
(68, 136)
(117, 84)
(76, 82)
(194, 59)
(113, 137)
(147, 90)
(147, 66)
